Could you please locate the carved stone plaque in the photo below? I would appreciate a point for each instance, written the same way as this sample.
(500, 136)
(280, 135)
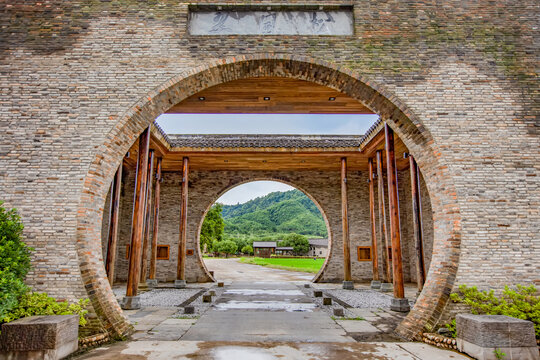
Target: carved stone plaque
(228, 22)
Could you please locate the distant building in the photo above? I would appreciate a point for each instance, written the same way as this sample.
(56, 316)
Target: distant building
(318, 247)
(264, 248)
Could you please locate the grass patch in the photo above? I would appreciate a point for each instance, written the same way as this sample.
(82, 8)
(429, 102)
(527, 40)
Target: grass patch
(304, 265)
(358, 318)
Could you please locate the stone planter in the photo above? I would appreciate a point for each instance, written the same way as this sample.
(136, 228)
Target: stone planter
(39, 337)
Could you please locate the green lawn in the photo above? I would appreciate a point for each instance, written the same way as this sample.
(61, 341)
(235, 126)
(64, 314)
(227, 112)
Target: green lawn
(305, 265)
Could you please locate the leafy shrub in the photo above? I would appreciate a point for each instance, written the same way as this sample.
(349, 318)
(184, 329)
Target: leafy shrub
(299, 243)
(14, 260)
(522, 303)
(31, 304)
(451, 326)
(11, 289)
(247, 250)
(227, 247)
(16, 300)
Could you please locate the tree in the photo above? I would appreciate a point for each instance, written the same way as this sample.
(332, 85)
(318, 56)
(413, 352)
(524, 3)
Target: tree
(247, 250)
(227, 247)
(212, 227)
(299, 243)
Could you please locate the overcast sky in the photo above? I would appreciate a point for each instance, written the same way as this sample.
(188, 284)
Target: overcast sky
(333, 124)
(319, 124)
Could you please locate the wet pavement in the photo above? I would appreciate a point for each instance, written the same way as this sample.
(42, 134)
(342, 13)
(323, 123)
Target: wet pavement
(266, 311)
(263, 313)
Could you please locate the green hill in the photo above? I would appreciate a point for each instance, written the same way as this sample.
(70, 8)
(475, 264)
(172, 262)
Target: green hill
(276, 213)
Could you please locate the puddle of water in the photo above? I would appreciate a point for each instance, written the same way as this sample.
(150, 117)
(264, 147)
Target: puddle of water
(265, 305)
(241, 353)
(249, 292)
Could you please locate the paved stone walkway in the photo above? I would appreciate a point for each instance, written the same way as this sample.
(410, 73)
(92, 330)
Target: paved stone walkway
(261, 319)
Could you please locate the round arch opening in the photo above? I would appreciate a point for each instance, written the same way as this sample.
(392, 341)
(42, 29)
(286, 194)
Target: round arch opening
(327, 250)
(391, 109)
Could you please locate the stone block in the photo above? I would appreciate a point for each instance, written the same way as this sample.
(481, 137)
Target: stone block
(400, 305)
(40, 337)
(327, 301)
(348, 285)
(339, 312)
(387, 287)
(212, 293)
(152, 283)
(206, 298)
(180, 284)
(189, 310)
(480, 335)
(375, 284)
(131, 303)
(220, 284)
(317, 293)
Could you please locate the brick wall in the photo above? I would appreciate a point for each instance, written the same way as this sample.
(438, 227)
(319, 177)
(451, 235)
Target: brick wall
(457, 82)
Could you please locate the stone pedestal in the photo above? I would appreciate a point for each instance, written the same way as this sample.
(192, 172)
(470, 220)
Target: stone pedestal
(180, 284)
(189, 310)
(387, 287)
(348, 285)
(401, 305)
(143, 286)
(131, 303)
(152, 283)
(40, 337)
(480, 335)
(375, 284)
(317, 293)
(327, 301)
(339, 312)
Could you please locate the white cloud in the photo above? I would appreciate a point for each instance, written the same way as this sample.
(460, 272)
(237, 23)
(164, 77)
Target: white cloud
(251, 190)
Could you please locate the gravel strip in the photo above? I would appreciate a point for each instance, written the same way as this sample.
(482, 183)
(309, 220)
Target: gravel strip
(363, 298)
(160, 297)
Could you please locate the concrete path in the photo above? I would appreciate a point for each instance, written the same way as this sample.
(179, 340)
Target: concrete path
(230, 270)
(261, 314)
(263, 311)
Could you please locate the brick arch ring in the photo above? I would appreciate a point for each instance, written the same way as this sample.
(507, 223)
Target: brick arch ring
(241, 181)
(409, 127)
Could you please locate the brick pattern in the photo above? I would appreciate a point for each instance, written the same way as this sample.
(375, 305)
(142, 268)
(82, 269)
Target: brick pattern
(458, 83)
(206, 187)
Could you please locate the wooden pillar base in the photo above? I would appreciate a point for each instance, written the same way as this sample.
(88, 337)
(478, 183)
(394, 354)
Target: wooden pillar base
(131, 303)
(180, 284)
(400, 305)
(348, 285)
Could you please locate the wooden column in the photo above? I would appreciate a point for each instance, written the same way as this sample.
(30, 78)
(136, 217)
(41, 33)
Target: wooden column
(345, 222)
(153, 253)
(113, 225)
(383, 232)
(374, 250)
(148, 212)
(181, 269)
(417, 223)
(137, 227)
(393, 205)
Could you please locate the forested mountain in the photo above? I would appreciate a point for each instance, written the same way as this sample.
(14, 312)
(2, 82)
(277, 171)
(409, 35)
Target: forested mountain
(276, 213)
